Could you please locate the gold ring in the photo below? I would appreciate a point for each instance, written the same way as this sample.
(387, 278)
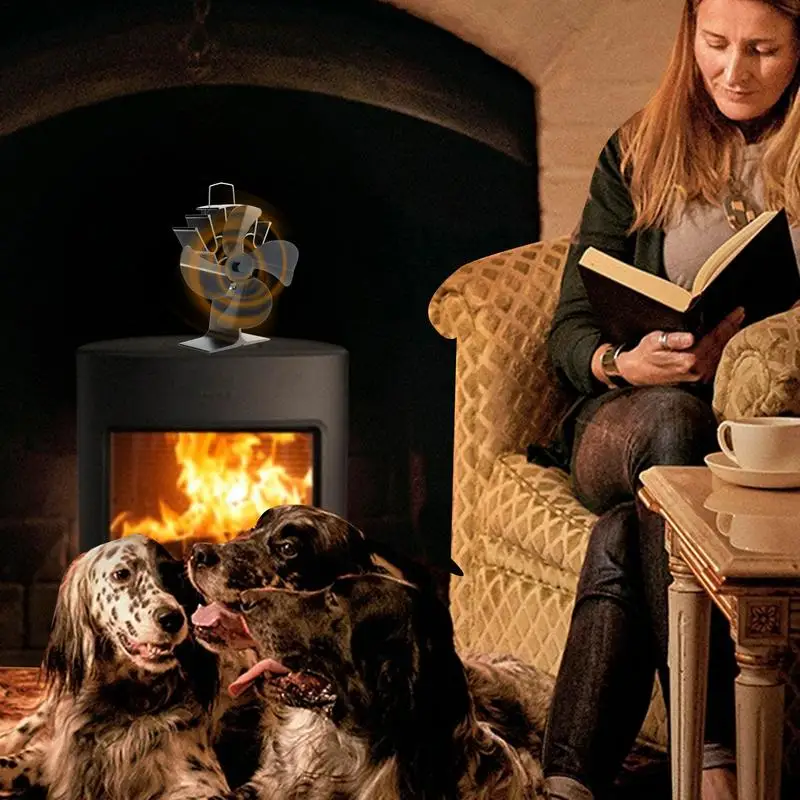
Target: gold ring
(662, 341)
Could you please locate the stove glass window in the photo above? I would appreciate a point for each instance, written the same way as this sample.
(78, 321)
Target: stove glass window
(187, 486)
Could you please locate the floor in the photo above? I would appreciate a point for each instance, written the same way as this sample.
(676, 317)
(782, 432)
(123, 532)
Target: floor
(646, 774)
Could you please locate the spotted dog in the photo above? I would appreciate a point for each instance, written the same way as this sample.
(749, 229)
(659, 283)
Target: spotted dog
(130, 697)
(24, 731)
(380, 705)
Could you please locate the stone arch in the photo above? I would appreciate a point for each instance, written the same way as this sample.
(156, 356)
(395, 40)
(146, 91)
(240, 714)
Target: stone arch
(326, 50)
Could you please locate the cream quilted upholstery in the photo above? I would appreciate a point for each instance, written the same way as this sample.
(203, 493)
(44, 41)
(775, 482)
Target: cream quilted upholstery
(499, 310)
(760, 374)
(518, 532)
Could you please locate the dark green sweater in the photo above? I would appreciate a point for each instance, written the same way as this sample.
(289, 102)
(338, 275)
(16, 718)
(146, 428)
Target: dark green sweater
(607, 215)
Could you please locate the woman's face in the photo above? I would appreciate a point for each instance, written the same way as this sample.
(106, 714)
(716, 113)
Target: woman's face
(747, 53)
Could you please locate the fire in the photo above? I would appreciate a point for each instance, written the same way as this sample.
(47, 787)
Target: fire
(228, 480)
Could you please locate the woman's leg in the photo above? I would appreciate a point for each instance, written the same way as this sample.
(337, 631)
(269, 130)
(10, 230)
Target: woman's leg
(605, 679)
(638, 429)
(620, 613)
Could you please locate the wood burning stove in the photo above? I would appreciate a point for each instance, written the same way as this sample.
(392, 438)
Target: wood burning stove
(187, 446)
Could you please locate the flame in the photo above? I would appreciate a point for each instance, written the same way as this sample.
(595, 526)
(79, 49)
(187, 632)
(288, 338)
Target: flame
(228, 480)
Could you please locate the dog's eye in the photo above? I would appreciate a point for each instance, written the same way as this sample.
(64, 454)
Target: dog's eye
(121, 574)
(247, 605)
(287, 548)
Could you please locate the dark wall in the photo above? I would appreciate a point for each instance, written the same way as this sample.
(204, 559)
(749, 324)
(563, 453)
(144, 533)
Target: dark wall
(382, 204)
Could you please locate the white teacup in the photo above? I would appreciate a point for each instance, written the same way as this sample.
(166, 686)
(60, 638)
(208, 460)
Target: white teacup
(762, 443)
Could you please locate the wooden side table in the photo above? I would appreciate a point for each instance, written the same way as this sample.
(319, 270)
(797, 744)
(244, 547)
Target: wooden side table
(738, 548)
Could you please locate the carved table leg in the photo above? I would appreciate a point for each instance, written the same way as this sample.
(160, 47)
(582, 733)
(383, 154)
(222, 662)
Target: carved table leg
(689, 622)
(759, 724)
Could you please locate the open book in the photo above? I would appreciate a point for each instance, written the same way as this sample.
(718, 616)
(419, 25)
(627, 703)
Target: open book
(755, 268)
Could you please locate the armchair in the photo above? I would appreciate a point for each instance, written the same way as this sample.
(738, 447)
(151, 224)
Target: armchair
(518, 532)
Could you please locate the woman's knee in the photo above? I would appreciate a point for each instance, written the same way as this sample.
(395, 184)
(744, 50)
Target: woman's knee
(676, 428)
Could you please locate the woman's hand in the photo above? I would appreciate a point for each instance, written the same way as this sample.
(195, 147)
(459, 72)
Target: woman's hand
(675, 358)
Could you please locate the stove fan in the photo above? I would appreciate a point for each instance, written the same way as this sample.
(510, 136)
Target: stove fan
(224, 246)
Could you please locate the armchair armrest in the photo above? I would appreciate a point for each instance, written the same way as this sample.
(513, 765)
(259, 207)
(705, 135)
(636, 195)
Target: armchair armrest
(499, 310)
(759, 372)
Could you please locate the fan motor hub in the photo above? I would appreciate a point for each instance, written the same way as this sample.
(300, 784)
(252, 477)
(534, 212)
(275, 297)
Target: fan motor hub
(239, 266)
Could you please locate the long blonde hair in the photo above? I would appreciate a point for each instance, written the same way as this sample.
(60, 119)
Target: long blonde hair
(704, 145)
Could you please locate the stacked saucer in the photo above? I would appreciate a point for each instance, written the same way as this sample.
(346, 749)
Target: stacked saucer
(728, 470)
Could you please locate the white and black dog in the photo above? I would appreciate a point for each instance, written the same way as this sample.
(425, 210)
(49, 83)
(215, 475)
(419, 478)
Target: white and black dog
(131, 705)
(376, 701)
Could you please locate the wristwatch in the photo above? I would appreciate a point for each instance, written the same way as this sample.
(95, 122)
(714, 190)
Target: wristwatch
(608, 363)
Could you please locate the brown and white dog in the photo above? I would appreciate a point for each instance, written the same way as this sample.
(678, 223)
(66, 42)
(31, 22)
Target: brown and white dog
(131, 702)
(379, 706)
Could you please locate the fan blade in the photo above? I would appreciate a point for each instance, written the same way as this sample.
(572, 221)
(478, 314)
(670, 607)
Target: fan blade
(207, 262)
(239, 221)
(260, 232)
(203, 275)
(245, 306)
(190, 237)
(205, 228)
(218, 218)
(279, 258)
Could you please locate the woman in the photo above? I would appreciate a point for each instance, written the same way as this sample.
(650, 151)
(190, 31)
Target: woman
(719, 141)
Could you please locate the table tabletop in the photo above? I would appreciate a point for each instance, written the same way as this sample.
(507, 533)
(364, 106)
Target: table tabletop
(739, 534)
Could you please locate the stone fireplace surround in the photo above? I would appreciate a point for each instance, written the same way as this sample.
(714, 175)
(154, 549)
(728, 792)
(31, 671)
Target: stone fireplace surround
(390, 151)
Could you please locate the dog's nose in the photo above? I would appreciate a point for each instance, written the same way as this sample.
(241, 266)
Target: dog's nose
(170, 619)
(204, 555)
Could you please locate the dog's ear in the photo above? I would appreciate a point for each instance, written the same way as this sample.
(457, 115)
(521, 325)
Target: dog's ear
(70, 652)
(420, 692)
(385, 659)
(386, 645)
(442, 696)
(446, 687)
(391, 561)
(397, 671)
(265, 518)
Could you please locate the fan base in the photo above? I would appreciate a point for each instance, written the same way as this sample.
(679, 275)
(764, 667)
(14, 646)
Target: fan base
(209, 344)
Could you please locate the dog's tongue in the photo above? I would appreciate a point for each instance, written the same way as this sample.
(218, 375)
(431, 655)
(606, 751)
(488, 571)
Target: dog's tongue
(266, 665)
(227, 625)
(206, 616)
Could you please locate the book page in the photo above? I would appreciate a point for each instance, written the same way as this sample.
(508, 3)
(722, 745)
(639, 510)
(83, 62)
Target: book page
(725, 253)
(666, 292)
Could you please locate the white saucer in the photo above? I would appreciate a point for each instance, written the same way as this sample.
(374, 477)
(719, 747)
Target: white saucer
(728, 471)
